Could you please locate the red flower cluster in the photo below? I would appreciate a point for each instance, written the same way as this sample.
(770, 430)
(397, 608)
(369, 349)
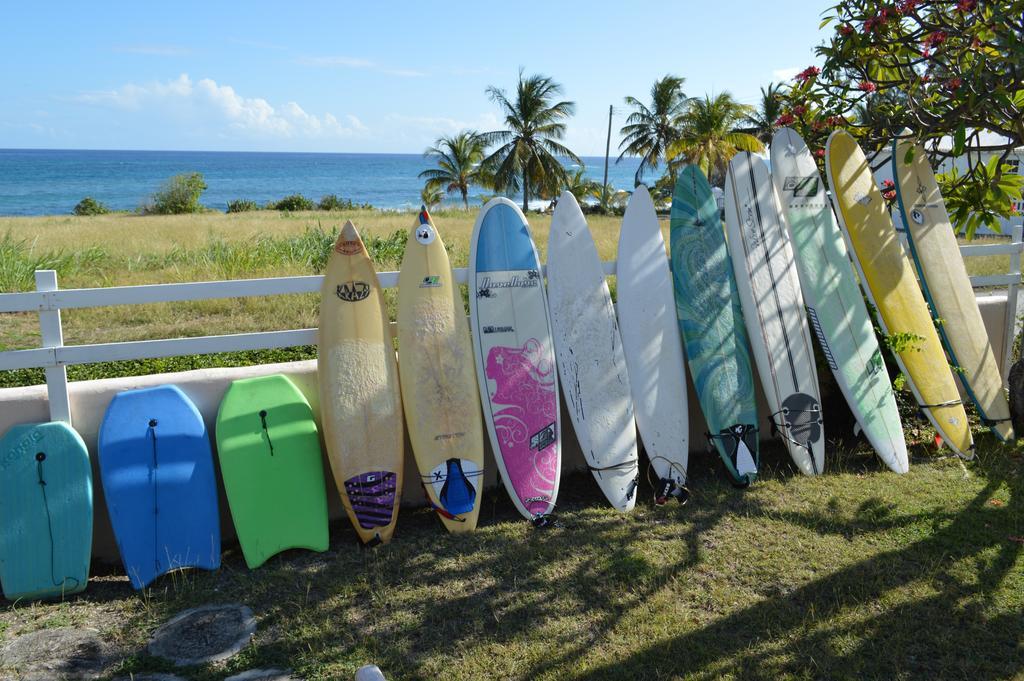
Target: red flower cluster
(907, 6)
(873, 22)
(799, 110)
(808, 73)
(966, 5)
(785, 119)
(836, 120)
(845, 29)
(820, 153)
(934, 39)
(888, 190)
(954, 83)
(867, 86)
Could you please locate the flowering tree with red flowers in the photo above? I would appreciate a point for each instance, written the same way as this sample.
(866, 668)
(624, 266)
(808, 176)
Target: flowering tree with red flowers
(948, 73)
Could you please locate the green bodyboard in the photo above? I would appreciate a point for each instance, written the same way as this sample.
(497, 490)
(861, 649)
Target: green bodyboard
(45, 511)
(711, 323)
(270, 461)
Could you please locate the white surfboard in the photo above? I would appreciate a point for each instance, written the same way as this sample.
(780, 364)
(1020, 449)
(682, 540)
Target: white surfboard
(589, 355)
(773, 310)
(652, 344)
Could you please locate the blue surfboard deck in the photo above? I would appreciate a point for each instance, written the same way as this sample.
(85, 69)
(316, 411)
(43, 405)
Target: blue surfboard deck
(711, 321)
(45, 511)
(156, 464)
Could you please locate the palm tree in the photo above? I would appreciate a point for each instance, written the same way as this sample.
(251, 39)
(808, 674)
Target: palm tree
(708, 137)
(577, 184)
(457, 158)
(431, 195)
(762, 121)
(649, 130)
(526, 157)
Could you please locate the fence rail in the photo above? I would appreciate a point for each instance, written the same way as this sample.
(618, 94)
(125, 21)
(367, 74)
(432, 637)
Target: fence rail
(54, 357)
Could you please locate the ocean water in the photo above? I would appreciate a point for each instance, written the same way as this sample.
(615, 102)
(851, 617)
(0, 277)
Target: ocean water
(52, 181)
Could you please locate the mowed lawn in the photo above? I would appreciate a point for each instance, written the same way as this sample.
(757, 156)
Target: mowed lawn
(859, 574)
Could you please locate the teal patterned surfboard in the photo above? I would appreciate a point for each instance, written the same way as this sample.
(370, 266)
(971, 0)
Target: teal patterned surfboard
(711, 322)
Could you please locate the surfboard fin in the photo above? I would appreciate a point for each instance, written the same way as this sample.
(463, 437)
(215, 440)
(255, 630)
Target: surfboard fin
(458, 495)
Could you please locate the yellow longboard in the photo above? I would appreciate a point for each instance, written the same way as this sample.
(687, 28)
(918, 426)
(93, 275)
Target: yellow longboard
(439, 387)
(360, 400)
(936, 254)
(888, 279)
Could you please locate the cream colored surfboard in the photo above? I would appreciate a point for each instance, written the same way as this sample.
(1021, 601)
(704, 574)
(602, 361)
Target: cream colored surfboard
(888, 278)
(360, 400)
(936, 255)
(439, 387)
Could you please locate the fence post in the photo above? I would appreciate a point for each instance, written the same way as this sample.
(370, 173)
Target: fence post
(53, 337)
(1011, 300)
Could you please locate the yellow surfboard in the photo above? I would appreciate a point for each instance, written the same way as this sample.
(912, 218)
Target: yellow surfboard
(888, 278)
(936, 255)
(439, 387)
(360, 400)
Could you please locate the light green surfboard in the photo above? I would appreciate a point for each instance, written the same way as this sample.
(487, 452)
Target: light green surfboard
(270, 460)
(45, 511)
(835, 306)
(711, 322)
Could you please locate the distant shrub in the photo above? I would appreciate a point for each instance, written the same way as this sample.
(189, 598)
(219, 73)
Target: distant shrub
(333, 202)
(90, 206)
(242, 206)
(293, 203)
(180, 194)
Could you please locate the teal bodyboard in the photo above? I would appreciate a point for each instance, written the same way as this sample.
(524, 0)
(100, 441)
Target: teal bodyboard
(711, 322)
(45, 511)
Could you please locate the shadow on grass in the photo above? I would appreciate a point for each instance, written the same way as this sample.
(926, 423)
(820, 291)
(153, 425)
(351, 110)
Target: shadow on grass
(671, 592)
(820, 631)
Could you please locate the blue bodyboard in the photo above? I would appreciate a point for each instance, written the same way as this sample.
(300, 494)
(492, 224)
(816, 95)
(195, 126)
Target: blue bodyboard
(156, 464)
(45, 511)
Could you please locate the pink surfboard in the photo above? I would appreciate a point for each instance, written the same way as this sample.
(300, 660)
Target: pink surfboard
(515, 357)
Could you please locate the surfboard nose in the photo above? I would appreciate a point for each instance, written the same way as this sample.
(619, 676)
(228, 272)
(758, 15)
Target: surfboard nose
(349, 241)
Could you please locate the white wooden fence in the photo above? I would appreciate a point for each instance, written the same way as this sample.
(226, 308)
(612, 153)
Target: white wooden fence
(48, 300)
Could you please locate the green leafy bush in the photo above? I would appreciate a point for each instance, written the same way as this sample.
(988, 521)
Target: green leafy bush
(242, 206)
(293, 203)
(90, 206)
(179, 195)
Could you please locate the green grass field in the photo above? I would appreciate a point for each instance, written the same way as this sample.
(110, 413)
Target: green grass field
(859, 574)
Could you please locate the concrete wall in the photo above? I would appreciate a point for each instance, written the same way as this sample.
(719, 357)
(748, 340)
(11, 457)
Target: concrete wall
(89, 400)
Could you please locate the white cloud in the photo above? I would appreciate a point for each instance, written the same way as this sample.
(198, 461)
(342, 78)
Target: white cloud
(220, 105)
(785, 74)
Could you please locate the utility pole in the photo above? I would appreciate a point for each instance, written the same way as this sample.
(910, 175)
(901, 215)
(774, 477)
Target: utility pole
(607, 150)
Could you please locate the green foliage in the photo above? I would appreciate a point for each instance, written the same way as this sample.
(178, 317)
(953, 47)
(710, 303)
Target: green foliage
(946, 74)
(19, 260)
(90, 206)
(577, 184)
(145, 367)
(179, 195)
(764, 119)
(334, 202)
(458, 164)
(902, 342)
(650, 130)
(242, 206)
(527, 157)
(709, 137)
(983, 201)
(292, 203)
(431, 195)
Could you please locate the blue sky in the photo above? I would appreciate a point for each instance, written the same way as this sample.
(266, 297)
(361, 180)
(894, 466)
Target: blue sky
(364, 77)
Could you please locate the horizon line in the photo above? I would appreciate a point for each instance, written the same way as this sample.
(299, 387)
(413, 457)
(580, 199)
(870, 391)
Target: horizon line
(612, 157)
